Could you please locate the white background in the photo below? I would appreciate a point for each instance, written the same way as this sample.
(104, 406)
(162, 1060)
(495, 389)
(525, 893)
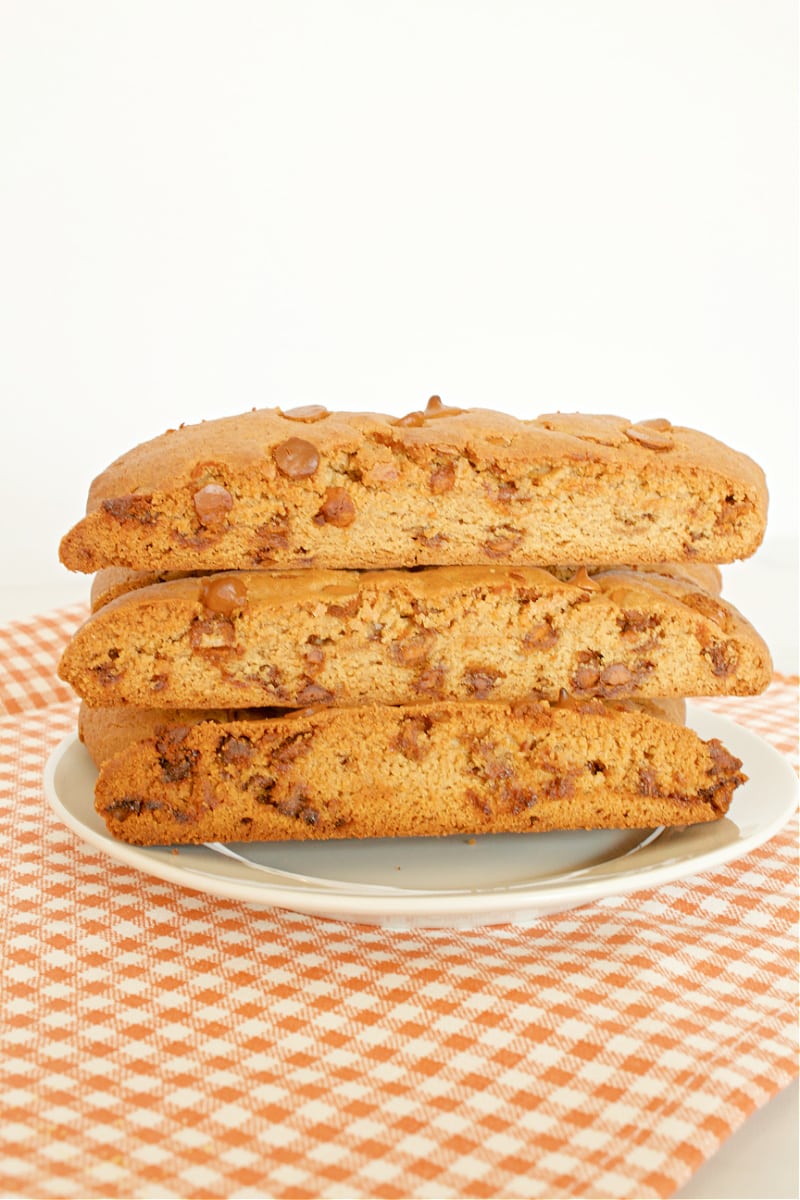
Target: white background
(572, 204)
(533, 206)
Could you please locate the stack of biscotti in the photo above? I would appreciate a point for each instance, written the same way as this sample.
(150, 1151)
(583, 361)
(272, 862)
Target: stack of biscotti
(334, 625)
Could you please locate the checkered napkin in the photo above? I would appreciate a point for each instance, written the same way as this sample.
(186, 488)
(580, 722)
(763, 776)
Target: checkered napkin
(157, 1042)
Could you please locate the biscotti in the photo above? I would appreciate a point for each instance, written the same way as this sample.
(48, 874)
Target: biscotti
(444, 486)
(112, 582)
(294, 638)
(431, 770)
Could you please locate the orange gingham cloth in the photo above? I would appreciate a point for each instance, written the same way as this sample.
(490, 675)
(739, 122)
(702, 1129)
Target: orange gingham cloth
(158, 1042)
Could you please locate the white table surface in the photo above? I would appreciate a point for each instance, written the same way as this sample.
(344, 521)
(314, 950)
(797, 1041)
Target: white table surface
(760, 1160)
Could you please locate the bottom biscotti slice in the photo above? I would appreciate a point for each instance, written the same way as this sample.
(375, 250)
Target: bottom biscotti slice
(431, 769)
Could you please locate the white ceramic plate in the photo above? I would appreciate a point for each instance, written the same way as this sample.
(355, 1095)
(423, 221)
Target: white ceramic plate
(455, 881)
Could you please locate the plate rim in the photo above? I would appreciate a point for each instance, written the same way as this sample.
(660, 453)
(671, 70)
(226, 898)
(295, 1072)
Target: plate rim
(524, 901)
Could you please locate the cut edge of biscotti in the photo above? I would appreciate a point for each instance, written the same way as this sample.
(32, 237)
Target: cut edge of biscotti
(425, 770)
(443, 486)
(293, 638)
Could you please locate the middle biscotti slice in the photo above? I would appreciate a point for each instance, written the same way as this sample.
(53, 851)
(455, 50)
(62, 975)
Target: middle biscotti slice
(295, 638)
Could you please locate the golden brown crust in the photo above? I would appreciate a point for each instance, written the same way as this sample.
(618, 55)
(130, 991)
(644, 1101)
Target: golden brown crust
(107, 731)
(292, 638)
(422, 770)
(112, 582)
(363, 490)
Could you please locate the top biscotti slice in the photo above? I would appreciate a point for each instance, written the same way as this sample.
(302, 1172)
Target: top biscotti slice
(292, 638)
(443, 486)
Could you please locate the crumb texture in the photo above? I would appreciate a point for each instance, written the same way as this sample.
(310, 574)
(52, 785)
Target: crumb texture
(295, 638)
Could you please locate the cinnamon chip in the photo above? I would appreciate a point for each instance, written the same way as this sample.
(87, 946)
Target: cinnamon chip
(296, 458)
(647, 434)
(337, 509)
(435, 408)
(212, 504)
(307, 413)
(442, 478)
(412, 419)
(223, 594)
(582, 579)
